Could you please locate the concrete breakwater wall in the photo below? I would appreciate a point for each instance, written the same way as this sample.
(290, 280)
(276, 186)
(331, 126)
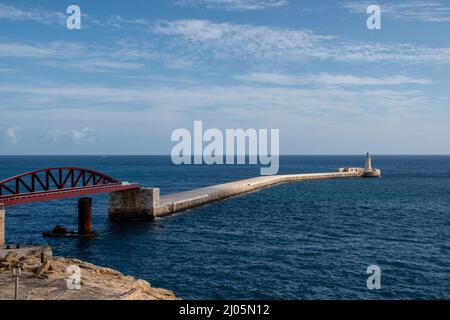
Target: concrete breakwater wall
(148, 204)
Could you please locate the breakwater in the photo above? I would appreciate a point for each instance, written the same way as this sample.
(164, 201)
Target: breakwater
(146, 203)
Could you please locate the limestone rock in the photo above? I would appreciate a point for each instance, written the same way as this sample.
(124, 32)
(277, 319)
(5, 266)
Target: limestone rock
(48, 281)
(43, 269)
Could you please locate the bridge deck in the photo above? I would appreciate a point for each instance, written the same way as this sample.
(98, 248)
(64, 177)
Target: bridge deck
(190, 199)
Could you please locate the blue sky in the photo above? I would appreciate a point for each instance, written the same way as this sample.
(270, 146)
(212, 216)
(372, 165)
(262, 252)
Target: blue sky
(137, 70)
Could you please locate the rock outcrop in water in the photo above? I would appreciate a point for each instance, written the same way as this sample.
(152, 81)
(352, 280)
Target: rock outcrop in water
(48, 280)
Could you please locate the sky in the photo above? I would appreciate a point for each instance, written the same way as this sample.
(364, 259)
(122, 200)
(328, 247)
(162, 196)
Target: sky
(137, 70)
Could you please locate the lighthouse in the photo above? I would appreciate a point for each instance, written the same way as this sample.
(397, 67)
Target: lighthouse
(368, 170)
(368, 167)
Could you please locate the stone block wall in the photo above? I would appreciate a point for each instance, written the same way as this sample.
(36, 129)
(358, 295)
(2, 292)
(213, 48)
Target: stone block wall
(133, 204)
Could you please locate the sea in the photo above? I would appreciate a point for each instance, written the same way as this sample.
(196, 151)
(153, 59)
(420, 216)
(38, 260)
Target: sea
(305, 240)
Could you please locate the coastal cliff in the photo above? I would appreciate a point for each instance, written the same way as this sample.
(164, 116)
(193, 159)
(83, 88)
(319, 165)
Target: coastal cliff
(47, 280)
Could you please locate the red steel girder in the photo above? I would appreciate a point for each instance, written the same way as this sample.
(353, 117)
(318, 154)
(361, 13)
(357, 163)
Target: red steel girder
(12, 200)
(53, 179)
(57, 183)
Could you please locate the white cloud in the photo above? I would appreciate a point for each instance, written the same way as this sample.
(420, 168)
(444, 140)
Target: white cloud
(93, 65)
(198, 41)
(8, 12)
(57, 135)
(203, 100)
(236, 5)
(83, 135)
(424, 11)
(11, 135)
(329, 79)
(71, 56)
(12, 49)
(175, 63)
(227, 40)
(139, 119)
(7, 70)
(77, 136)
(118, 22)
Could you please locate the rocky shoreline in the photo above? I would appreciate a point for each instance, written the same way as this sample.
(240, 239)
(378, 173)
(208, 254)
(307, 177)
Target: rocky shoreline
(44, 277)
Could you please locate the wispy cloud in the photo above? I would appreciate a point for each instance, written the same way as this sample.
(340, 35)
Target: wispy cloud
(227, 40)
(118, 56)
(327, 79)
(155, 110)
(83, 135)
(11, 134)
(197, 41)
(40, 15)
(69, 56)
(5, 70)
(424, 11)
(44, 16)
(93, 65)
(203, 99)
(235, 5)
(119, 22)
(77, 136)
(52, 50)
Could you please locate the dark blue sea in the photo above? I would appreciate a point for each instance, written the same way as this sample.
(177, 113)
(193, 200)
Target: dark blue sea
(308, 240)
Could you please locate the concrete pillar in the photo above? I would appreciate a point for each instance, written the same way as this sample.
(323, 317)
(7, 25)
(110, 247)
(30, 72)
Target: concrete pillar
(133, 204)
(85, 216)
(2, 225)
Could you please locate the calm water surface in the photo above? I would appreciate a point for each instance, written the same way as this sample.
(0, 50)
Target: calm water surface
(308, 240)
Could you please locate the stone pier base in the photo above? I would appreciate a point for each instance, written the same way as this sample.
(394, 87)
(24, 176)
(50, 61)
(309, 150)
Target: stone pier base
(373, 173)
(137, 204)
(2, 225)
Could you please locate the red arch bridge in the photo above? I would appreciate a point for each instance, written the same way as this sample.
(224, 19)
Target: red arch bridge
(54, 184)
(57, 183)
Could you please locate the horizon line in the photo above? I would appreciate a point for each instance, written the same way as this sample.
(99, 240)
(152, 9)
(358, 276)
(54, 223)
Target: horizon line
(168, 155)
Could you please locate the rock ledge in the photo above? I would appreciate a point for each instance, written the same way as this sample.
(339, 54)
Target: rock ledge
(48, 280)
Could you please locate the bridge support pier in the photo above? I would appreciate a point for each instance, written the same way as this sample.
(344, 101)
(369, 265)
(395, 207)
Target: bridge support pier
(85, 216)
(138, 204)
(2, 225)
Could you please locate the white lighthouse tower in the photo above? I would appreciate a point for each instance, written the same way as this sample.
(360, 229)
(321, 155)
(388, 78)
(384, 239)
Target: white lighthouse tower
(368, 170)
(368, 167)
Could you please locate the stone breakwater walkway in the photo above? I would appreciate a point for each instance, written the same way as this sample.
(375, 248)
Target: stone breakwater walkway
(181, 201)
(146, 203)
